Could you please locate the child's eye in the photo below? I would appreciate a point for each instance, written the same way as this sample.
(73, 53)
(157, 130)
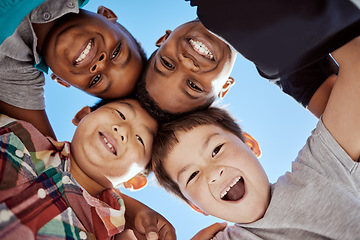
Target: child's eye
(116, 52)
(166, 64)
(193, 86)
(121, 115)
(192, 176)
(95, 80)
(216, 150)
(140, 139)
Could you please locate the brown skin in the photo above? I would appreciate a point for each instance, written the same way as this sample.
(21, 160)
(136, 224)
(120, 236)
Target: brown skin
(145, 222)
(109, 70)
(181, 79)
(112, 65)
(320, 98)
(38, 118)
(175, 64)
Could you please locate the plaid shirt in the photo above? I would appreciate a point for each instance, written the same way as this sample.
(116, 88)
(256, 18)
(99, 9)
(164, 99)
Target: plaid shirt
(40, 199)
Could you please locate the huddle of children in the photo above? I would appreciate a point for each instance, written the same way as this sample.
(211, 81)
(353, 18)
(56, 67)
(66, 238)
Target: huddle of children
(61, 190)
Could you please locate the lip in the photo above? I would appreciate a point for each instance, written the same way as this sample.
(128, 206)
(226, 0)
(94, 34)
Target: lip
(107, 139)
(89, 56)
(208, 45)
(230, 184)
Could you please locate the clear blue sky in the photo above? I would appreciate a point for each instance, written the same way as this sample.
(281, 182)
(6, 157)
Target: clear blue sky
(280, 124)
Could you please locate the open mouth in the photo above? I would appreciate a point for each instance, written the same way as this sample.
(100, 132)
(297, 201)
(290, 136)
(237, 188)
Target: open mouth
(83, 54)
(235, 191)
(108, 144)
(201, 49)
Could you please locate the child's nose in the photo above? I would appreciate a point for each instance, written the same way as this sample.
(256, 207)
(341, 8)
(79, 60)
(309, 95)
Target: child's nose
(188, 63)
(122, 131)
(214, 174)
(99, 64)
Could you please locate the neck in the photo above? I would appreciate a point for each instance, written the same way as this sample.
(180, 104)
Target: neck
(41, 32)
(92, 187)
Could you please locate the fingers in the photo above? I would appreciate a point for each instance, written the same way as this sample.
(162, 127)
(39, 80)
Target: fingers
(167, 231)
(210, 232)
(153, 226)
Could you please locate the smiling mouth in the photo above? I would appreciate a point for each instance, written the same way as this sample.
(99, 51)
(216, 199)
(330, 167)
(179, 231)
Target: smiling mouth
(85, 52)
(201, 49)
(235, 191)
(110, 146)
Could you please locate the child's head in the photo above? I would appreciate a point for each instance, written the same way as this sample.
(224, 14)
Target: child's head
(208, 161)
(94, 53)
(113, 143)
(189, 70)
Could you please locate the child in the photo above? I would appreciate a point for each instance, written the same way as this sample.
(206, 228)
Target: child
(288, 45)
(208, 161)
(90, 51)
(52, 189)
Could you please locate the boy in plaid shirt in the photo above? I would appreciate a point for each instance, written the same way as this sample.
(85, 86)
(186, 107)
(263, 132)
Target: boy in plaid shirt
(58, 190)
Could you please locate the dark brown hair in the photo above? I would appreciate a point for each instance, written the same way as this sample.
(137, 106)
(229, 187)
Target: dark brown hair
(166, 140)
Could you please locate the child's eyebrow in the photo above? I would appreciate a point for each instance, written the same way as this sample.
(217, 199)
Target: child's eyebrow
(204, 146)
(128, 58)
(158, 70)
(186, 167)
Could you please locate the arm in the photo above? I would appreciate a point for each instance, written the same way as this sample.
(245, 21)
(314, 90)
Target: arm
(209, 232)
(38, 118)
(310, 86)
(342, 113)
(145, 222)
(320, 98)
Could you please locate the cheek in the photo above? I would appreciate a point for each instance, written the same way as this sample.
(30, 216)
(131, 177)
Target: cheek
(200, 195)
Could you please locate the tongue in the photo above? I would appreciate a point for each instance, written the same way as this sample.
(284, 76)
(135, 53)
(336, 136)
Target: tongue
(236, 192)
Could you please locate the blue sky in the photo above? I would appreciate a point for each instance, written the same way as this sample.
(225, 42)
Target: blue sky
(279, 124)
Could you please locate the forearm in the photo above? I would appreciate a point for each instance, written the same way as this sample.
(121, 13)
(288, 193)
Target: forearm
(132, 207)
(38, 118)
(342, 113)
(319, 100)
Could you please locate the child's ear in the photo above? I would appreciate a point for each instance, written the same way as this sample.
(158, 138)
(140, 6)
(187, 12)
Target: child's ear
(108, 13)
(197, 209)
(253, 144)
(59, 80)
(136, 183)
(226, 87)
(81, 114)
(162, 39)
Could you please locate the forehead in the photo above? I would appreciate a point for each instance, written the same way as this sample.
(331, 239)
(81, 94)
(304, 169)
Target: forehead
(189, 25)
(194, 141)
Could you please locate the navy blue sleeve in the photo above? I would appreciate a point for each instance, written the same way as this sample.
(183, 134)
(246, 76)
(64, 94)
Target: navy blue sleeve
(301, 85)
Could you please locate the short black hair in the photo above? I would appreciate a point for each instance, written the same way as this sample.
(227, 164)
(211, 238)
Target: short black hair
(167, 138)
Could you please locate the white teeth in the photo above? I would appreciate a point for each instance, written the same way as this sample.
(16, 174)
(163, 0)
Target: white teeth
(201, 49)
(109, 144)
(84, 53)
(230, 186)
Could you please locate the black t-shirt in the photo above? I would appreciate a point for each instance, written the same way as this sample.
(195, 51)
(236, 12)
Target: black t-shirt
(284, 37)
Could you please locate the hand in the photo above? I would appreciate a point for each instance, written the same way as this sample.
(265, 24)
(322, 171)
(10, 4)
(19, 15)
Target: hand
(210, 232)
(150, 225)
(145, 222)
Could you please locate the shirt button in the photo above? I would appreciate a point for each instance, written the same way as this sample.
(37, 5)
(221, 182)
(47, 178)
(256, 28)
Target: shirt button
(19, 153)
(5, 215)
(82, 235)
(41, 193)
(66, 179)
(46, 16)
(70, 5)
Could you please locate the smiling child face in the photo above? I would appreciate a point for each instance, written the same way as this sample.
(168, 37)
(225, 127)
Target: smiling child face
(114, 143)
(94, 54)
(219, 173)
(189, 68)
